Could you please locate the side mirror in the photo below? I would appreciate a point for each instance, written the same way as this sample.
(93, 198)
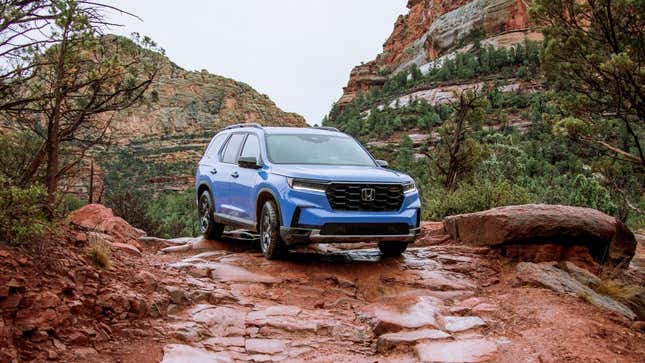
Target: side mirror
(249, 162)
(382, 163)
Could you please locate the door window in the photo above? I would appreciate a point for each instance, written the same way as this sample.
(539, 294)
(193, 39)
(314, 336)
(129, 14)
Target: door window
(251, 148)
(233, 148)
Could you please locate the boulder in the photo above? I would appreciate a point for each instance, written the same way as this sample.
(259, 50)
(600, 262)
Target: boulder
(608, 239)
(99, 218)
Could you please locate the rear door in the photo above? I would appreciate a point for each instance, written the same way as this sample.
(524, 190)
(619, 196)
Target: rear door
(243, 188)
(227, 169)
(208, 165)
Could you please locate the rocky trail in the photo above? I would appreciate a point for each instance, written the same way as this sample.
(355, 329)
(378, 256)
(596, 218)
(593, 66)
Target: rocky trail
(443, 301)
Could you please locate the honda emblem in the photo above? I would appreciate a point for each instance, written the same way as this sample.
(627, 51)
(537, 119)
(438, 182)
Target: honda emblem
(368, 194)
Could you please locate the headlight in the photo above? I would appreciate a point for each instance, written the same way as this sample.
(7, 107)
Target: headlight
(308, 185)
(409, 187)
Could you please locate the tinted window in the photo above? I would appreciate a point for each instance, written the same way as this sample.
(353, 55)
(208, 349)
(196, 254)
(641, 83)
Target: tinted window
(316, 149)
(251, 148)
(215, 146)
(233, 148)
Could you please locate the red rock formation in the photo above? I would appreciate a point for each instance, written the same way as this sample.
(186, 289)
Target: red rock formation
(493, 18)
(411, 27)
(608, 238)
(362, 78)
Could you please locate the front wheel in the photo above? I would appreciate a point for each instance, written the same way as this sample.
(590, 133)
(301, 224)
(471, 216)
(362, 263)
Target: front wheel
(270, 242)
(207, 225)
(392, 249)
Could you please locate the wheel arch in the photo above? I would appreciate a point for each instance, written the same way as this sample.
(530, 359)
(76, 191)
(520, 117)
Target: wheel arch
(204, 187)
(264, 195)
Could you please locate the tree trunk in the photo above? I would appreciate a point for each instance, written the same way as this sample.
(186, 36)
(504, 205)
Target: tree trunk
(451, 177)
(91, 196)
(52, 166)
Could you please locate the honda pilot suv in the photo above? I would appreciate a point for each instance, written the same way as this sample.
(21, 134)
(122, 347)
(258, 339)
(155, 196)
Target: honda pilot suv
(303, 185)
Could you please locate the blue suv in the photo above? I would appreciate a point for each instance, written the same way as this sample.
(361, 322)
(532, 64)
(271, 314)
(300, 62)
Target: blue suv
(303, 185)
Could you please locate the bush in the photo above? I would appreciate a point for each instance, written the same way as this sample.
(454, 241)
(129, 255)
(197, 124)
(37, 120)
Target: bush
(22, 219)
(174, 215)
(72, 202)
(472, 198)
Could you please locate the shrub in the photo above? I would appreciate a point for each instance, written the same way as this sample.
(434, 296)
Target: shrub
(473, 198)
(72, 202)
(22, 219)
(174, 215)
(100, 253)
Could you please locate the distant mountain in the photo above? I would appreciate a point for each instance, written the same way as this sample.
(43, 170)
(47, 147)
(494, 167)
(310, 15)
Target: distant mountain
(162, 140)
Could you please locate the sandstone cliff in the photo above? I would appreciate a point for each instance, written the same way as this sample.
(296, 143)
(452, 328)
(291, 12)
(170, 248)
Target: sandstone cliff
(436, 28)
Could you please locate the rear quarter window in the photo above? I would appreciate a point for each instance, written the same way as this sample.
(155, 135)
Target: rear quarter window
(233, 148)
(215, 146)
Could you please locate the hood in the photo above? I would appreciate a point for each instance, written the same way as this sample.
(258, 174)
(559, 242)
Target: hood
(341, 173)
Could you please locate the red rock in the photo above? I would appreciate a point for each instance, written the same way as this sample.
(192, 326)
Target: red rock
(11, 302)
(474, 350)
(454, 324)
(177, 353)
(265, 346)
(77, 338)
(388, 341)
(99, 218)
(127, 248)
(420, 312)
(524, 224)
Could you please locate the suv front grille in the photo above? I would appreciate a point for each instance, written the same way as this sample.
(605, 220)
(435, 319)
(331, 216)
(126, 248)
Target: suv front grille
(349, 197)
(364, 229)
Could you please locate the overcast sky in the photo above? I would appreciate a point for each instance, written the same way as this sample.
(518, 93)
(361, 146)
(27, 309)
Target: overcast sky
(299, 52)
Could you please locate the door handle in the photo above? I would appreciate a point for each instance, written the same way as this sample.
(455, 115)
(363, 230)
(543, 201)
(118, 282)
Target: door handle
(214, 171)
(235, 175)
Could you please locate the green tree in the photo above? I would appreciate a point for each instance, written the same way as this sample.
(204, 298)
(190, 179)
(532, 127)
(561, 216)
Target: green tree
(458, 151)
(594, 52)
(81, 79)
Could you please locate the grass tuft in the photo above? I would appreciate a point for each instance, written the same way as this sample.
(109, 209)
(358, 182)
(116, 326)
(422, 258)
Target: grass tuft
(100, 253)
(620, 291)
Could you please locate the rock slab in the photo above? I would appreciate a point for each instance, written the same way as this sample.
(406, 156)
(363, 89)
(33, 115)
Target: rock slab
(605, 236)
(471, 350)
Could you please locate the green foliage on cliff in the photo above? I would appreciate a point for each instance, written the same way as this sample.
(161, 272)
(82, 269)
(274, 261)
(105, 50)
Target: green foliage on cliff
(537, 163)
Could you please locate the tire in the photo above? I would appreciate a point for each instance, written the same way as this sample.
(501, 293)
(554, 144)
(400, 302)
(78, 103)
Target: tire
(392, 249)
(207, 225)
(269, 228)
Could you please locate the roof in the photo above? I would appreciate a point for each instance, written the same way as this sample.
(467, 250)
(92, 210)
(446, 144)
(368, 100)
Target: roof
(284, 130)
(299, 130)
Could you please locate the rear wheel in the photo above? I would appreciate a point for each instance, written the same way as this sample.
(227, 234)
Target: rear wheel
(270, 242)
(207, 225)
(392, 249)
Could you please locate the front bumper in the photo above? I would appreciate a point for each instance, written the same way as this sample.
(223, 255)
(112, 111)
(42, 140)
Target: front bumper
(294, 236)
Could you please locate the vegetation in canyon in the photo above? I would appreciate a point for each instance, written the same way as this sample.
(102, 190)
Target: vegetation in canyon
(573, 136)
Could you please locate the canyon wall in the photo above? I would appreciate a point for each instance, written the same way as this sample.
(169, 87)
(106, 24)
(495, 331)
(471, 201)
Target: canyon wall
(434, 28)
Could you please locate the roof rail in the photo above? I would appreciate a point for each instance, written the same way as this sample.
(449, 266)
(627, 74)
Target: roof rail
(237, 126)
(328, 128)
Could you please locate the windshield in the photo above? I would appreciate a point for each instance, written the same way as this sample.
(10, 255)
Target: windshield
(316, 149)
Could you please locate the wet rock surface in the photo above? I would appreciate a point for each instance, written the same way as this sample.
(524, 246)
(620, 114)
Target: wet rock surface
(222, 301)
(352, 303)
(334, 303)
